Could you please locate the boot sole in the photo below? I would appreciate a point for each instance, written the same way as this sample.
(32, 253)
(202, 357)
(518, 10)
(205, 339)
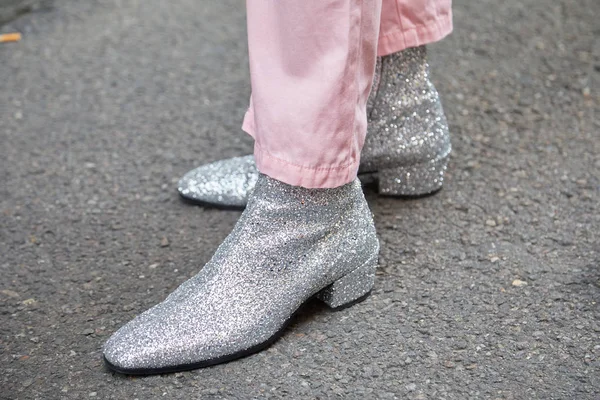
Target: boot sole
(196, 202)
(401, 182)
(230, 357)
(342, 293)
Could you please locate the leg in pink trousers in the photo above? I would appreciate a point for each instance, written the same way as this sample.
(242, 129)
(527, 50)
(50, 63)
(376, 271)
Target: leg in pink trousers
(311, 68)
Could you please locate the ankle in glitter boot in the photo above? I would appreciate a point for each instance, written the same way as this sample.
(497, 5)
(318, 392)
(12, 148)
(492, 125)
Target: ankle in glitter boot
(407, 144)
(290, 244)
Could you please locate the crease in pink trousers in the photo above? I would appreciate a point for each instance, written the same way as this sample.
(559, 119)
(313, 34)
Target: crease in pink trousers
(311, 68)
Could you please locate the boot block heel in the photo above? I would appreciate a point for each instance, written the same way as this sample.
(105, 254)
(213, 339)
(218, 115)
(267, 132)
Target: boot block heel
(351, 288)
(413, 180)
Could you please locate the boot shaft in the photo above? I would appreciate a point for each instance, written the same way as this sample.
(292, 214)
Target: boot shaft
(407, 121)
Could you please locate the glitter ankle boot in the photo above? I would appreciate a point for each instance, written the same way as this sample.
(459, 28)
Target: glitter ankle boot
(290, 244)
(407, 144)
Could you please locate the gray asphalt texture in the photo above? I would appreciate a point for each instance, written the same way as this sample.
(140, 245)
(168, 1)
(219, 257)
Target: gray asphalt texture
(487, 290)
(9, 9)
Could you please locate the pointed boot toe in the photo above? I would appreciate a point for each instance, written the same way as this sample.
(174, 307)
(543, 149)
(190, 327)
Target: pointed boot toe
(224, 183)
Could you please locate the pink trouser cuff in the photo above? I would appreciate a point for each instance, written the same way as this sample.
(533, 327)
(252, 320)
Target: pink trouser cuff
(398, 40)
(298, 175)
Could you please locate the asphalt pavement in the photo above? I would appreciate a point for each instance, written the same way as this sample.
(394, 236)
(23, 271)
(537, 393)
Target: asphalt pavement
(487, 290)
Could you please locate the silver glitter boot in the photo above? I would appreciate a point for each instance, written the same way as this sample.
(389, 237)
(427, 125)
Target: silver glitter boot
(407, 145)
(290, 244)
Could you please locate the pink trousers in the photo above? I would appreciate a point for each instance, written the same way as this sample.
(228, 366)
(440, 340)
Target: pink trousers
(311, 68)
